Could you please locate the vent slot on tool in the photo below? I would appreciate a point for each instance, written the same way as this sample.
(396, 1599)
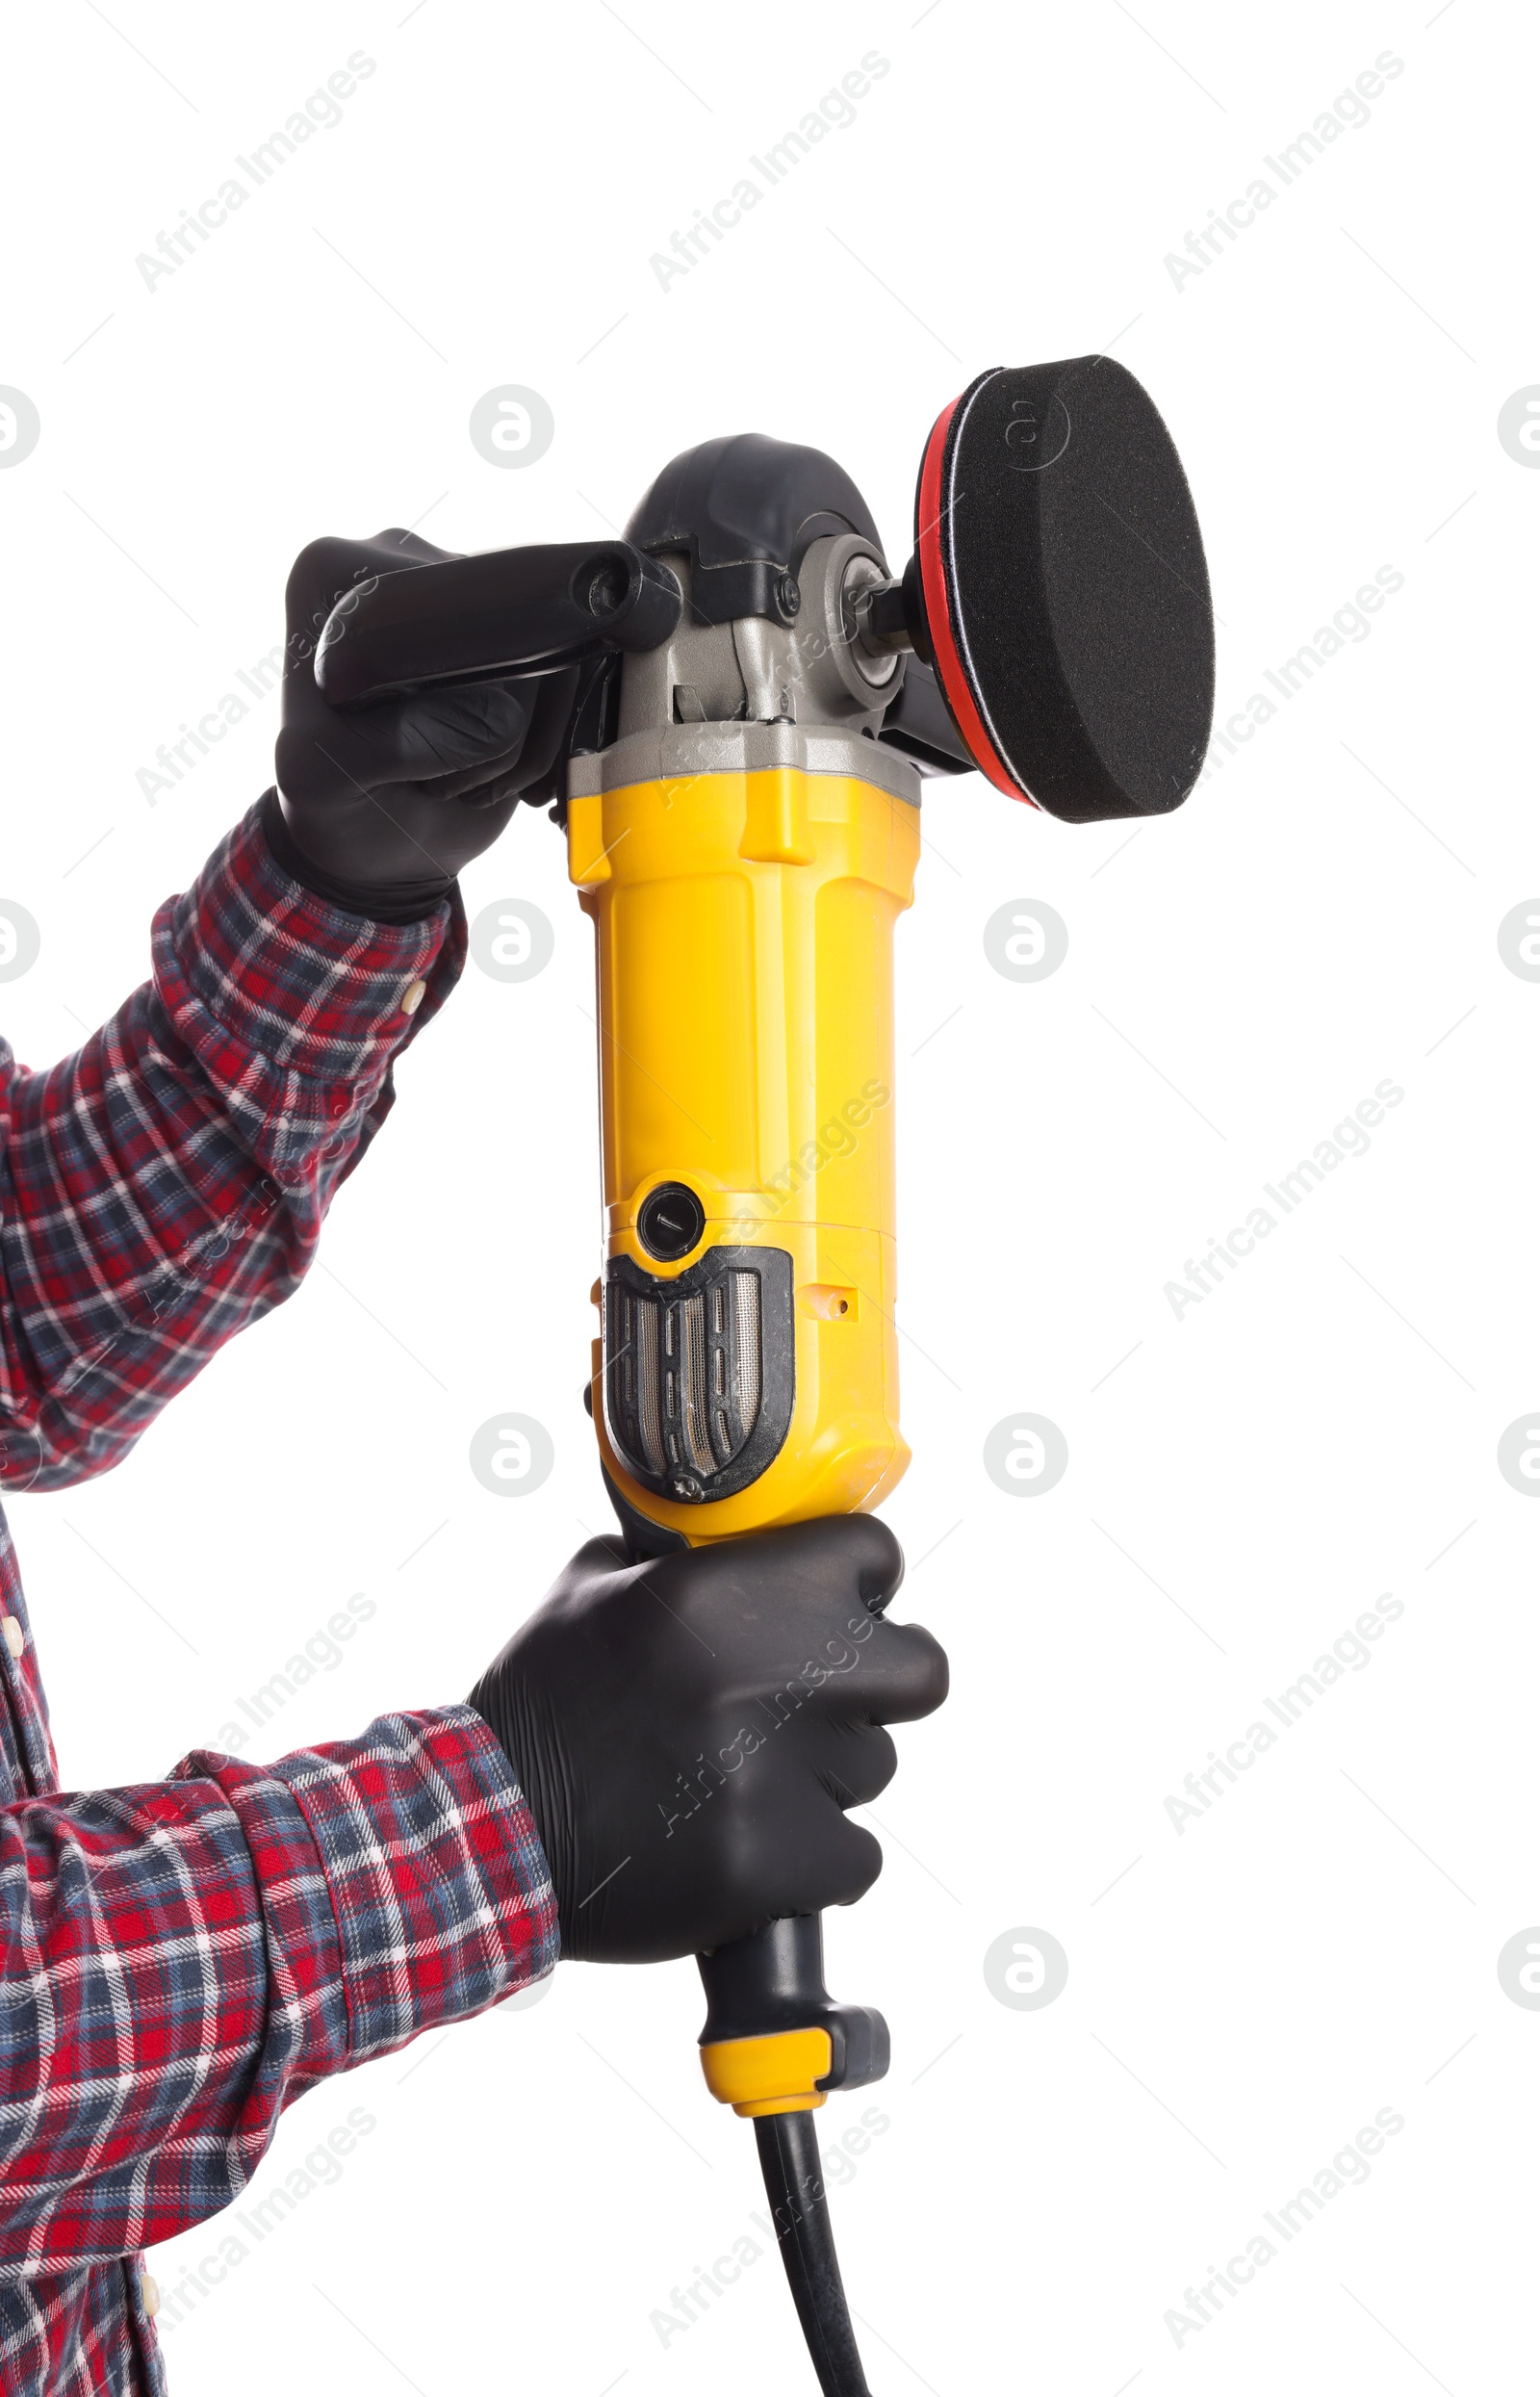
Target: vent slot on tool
(699, 1371)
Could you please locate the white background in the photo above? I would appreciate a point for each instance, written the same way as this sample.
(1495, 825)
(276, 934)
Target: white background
(1244, 1480)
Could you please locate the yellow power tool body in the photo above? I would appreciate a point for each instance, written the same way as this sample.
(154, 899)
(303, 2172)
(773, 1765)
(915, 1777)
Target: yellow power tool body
(732, 710)
(744, 880)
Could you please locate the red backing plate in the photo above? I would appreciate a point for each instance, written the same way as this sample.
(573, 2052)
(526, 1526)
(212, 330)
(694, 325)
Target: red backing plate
(930, 508)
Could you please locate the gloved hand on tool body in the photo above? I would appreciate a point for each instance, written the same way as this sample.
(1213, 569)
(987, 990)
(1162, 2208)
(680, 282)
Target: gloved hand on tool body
(378, 809)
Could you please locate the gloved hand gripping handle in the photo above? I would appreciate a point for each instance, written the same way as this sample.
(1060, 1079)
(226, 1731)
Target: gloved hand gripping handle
(470, 619)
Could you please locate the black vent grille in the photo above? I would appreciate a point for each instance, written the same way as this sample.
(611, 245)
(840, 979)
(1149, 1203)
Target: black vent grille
(699, 1371)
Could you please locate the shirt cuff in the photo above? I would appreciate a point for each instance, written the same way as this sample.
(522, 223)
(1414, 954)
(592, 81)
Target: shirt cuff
(434, 1878)
(316, 991)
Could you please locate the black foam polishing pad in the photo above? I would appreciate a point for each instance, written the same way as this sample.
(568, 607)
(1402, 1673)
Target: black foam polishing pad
(1065, 589)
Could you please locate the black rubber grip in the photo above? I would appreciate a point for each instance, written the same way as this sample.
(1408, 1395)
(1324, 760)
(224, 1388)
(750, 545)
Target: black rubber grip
(501, 612)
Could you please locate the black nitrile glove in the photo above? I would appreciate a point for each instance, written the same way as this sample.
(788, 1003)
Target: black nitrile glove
(378, 808)
(688, 1731)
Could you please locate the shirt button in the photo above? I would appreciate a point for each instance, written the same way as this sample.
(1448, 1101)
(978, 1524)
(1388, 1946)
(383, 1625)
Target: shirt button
(416, 993)
(150, 2290)
(15, 1637)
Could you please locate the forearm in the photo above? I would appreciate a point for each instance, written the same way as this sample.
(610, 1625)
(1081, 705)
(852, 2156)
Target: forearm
(183, 1959)
(165, 1185)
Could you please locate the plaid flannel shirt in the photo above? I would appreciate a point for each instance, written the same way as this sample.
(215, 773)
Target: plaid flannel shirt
(184, 1957)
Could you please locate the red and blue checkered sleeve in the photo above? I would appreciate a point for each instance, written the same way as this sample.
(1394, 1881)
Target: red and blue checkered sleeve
(183, 1959)
(165, 1185)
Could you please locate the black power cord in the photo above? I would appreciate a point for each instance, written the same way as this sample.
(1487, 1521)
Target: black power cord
(770, 1984)
(799, 2209)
